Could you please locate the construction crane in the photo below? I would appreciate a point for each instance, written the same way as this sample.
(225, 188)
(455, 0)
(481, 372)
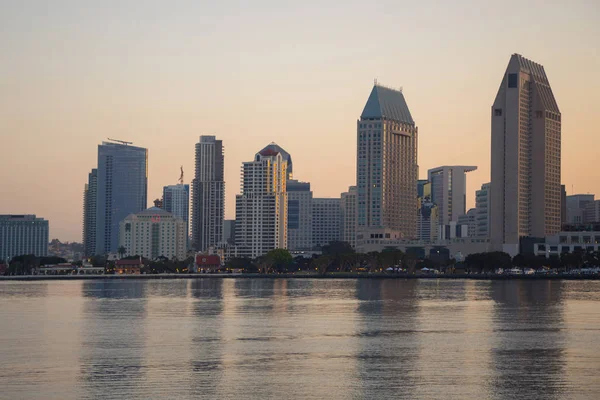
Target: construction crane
(120, 141)
(181, 176)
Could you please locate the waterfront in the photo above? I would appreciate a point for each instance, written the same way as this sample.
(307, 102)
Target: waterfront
(300, 339)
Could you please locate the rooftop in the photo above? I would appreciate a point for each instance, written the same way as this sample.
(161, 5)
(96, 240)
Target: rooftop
(387, 103)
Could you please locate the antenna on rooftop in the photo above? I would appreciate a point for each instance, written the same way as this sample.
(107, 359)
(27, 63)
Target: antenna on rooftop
(375, 81)
(120, 141)
(181, 176)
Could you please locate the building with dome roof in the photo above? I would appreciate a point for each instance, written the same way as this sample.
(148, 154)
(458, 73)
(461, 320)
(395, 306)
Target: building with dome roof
(261, 215)
(153, 233)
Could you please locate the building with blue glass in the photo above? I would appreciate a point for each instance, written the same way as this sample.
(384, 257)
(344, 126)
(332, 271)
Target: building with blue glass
(121, 190)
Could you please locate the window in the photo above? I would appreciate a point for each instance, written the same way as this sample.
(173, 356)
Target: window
(512, 80)
(497, 112)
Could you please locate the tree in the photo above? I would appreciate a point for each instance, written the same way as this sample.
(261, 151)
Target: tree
(337, 248)
(322, 263)
(279, 259)
(122, 251)
(242, 263)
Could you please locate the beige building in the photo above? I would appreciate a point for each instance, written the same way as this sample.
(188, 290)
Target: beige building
(386, 166)
(348, 225)
(261, 215)
(153, 233)
(526, 140)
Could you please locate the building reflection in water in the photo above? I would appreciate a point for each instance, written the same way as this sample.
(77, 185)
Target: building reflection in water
(386, 337)
(529, 343)
(113, 337)
(204, 337)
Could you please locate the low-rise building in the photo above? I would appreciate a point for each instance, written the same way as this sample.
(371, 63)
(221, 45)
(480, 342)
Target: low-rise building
(207, 263)
(128, 267)
(568, 242)
(153, 233)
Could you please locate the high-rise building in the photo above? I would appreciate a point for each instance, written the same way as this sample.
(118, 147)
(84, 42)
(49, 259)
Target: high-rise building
(348, 218)
(563, 205)
(576, 207)
(427, 220)
(327, 216)
(525, 145)
(208, 194)
(228, 232)
(153, 233)
(386, 166)
(300, 213)
(122, 189)
(261, 215)
(482, 213)
(176, 200)
(470, 220)
(90, 194)
(448, 191)
(22, 235)
(592, 212)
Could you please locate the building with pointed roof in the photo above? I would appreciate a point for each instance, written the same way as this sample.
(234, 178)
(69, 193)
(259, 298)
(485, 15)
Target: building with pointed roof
(153, 233)
(525, 146)
(386, 167)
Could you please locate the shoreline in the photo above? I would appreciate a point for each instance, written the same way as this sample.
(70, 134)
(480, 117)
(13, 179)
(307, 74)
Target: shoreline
(491, 277)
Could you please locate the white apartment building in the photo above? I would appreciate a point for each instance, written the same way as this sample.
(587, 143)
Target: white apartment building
(469, 219)
(261, 215)
(348, 216)
(153, 233)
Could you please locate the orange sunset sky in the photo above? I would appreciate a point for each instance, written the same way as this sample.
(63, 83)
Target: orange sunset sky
(160, 74)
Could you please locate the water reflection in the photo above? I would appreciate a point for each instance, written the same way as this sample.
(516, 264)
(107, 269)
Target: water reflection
(528, 350)
(113, 337)
(387, 339)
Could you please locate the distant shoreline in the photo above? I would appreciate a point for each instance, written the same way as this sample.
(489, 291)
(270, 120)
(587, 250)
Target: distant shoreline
(297, 276)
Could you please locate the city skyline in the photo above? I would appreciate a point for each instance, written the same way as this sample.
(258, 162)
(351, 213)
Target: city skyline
(95, 87)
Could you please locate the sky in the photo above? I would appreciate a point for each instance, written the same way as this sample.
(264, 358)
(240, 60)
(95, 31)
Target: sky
(160, 74)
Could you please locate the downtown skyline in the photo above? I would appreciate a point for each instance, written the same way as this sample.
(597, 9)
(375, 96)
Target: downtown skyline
(308, 113)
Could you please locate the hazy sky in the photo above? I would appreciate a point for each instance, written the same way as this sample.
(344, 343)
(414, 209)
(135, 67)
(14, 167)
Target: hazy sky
(162, 73)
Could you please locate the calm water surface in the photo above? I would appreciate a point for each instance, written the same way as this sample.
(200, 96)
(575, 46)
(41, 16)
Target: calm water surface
(300, 339)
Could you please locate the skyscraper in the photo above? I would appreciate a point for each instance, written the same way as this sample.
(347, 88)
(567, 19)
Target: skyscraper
(448, 191)
(300, 215)
(89, 214)
(208, 194)
(387, 165)
(122, 189)
(261, 215)
(526, 143)
(176, 200)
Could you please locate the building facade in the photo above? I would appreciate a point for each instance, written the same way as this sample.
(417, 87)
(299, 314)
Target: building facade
(22, 235)
(386, 165)
(122, 189)
(470, 220)
(208, 194)
(327, 217)
(482, 213)
(261, 215)
(449, 191)
(525, 162)
(592, 212)
(300, 215)
(427, 221)
(568, 242)
(176, 200)
(153, 233)
(90, 194)
(576, 208)
(348, 216)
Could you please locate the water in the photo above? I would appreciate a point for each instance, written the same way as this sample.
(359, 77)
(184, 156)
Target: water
(299, 339)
